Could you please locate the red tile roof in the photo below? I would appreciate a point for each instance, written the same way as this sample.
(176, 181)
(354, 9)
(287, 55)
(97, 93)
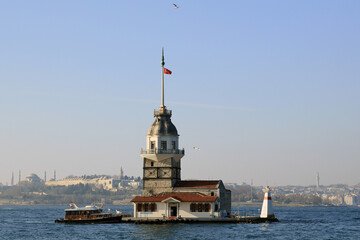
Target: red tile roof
(198, 184)
(182, 197)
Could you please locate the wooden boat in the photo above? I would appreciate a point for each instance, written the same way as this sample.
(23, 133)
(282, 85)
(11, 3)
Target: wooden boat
(88, 214)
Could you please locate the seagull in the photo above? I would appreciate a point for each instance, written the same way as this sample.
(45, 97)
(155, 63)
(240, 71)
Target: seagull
(196, 148)
(176, 6)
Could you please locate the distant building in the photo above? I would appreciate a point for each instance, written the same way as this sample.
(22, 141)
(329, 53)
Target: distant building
(33, 178)
(106, 182)
(336, 200)
(350, 200)
(126, 184)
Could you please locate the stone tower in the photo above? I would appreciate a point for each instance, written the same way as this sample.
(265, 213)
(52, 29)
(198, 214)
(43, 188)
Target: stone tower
(162, 156)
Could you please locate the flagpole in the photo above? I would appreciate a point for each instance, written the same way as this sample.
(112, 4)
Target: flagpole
(162, 79)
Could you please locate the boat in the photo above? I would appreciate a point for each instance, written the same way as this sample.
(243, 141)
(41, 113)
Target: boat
(89, 214)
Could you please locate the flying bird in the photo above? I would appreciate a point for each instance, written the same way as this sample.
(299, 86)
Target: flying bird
(196, 148)
(176, 6)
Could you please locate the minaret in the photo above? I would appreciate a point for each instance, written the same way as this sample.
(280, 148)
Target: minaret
(19, 181)
(121, 174)
(162, 156)
(45, 176)
(12, 179)
(317, 181)
(54, 175)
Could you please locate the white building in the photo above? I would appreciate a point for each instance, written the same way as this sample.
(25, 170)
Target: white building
(350, 200)
(176, 205)
(106, 182)
(336, 200)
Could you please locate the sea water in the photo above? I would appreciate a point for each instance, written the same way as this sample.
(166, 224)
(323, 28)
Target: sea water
(37, 222)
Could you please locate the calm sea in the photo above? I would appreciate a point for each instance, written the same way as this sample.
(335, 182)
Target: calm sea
(33, 222)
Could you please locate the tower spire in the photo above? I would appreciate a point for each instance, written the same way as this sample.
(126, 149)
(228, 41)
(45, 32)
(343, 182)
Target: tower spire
(162, 79)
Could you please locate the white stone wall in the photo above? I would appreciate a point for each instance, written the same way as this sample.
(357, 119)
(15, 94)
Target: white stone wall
(157, 139)
(160, 210)
(66, 182)
(183, 211)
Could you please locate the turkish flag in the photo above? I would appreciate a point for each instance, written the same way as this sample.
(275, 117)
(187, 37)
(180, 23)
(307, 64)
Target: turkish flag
(167, 71)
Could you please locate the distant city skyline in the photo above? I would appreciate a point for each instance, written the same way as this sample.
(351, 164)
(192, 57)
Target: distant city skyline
(267, 90)
(120, 173)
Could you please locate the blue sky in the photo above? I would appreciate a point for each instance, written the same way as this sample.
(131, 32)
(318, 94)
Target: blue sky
(269, 90)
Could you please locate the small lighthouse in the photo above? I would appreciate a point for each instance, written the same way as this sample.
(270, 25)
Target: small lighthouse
(267, 209)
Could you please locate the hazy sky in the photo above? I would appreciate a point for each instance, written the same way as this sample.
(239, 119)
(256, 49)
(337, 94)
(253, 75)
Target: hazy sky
(269, 90)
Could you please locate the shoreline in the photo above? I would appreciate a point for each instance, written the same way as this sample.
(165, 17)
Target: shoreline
(4, 202)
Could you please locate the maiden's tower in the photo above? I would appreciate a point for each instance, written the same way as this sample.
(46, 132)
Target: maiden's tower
(165, 195)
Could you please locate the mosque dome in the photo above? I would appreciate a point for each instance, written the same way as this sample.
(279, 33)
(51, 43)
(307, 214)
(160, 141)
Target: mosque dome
(33, 178)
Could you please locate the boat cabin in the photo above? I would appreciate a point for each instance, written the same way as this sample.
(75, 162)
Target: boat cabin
(88, 212)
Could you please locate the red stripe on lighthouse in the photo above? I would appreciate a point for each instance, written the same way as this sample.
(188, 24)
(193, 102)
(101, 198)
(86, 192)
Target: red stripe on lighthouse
(267, 198)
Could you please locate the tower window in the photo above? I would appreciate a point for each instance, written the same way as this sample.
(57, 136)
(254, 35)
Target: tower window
(163, 145)
(173, 145)
(152, 145)
(152, 164)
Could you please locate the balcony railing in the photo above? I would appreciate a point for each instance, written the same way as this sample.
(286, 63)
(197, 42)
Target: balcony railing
(162, 151)
(162, 112)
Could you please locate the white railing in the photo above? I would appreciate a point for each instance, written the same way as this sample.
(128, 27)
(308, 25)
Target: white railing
(163, 151)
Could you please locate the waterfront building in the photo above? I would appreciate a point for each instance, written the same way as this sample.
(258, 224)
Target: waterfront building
(350, 200)
(336, 200)
(165, 195)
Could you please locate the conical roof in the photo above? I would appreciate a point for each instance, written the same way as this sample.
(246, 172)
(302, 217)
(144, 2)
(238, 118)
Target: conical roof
(162, 124)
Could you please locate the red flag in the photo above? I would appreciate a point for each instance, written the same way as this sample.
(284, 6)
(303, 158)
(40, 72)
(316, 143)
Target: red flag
(167, 71)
